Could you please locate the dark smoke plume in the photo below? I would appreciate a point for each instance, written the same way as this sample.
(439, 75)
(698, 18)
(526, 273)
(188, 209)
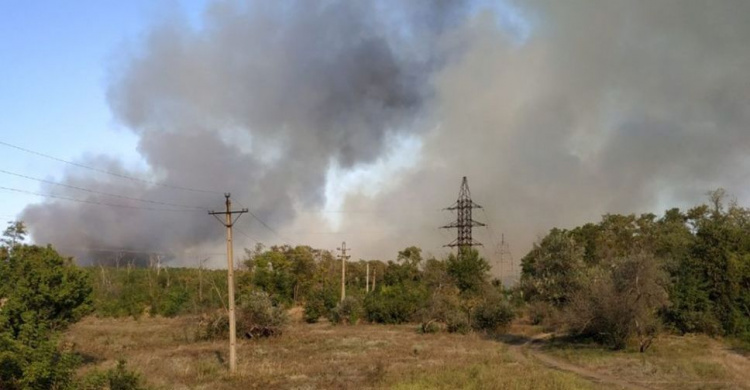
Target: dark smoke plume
(261, 100)
(607, 107)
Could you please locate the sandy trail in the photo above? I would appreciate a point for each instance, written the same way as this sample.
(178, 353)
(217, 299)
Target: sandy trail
(529, 349)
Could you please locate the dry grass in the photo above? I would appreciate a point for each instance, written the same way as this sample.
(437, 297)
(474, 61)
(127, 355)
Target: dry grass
(673, 362)
(319, 356)
(324, 356)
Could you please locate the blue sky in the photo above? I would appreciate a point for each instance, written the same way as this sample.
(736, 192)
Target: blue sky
(54, 61)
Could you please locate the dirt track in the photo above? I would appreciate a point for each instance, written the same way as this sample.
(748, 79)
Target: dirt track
(526, 349)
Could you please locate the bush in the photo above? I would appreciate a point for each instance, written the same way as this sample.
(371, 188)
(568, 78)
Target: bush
(176, 299)
(347, 311)
(320, 303)
(429, 327)
(41, 294)
(395, 304)
(540, 312)
(493, 315)
(41, 366)
(620, 302)
(457, 323)
(118, 378)
(41, 286)
(213, 326)
(442, 305)
(256, 314)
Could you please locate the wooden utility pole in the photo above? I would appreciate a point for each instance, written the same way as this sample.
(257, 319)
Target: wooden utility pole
(343, 258)
(367, 278)
(228, 223)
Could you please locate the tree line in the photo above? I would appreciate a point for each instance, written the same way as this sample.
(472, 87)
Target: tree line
(628, 277)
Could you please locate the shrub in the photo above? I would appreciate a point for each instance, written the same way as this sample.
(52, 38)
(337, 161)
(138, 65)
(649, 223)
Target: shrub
(41, 286)
(457, 323)
(442, 305)
(429, 327)
(213, 326)
(41, 366)
(620, 302)
(321, 302)
(118, 378)
(540, 312)
(176, 298)
(395, 304)
(347, 311)
(42, 293)
(493, 315)
(256, 316)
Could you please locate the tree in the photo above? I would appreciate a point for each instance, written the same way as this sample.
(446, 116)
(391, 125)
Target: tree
(704, 253)
(552, 271)
(42, 293)
(468, 270)
(621, 300)
(14, 234)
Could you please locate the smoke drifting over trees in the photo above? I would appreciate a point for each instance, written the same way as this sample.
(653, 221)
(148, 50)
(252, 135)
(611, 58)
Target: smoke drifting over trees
(617, 107)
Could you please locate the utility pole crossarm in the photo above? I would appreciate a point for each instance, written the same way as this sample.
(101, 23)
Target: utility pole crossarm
(238, 212)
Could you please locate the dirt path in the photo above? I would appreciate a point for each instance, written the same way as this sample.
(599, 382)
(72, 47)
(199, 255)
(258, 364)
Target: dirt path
(529, 349)
(737, 364)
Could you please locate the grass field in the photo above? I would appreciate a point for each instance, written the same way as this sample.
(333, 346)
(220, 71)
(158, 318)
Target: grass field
(324, 356)
(673, 362)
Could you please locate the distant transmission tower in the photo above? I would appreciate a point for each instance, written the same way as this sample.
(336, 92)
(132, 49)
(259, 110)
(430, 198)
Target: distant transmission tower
(506, 258)
(464, 222)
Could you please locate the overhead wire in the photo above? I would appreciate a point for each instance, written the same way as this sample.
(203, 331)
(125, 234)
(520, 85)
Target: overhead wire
(283, 239)
(104, 171)
(53, 196)
(144, 181)
(98, 192)
(135, 251)
(245, 234)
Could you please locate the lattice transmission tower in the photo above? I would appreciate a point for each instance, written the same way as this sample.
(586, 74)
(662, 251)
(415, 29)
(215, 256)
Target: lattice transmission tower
(464, 222)
(506, 259)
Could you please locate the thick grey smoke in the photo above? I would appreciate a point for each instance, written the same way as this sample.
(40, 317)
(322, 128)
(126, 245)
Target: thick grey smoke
(606, 107)
(260, 100)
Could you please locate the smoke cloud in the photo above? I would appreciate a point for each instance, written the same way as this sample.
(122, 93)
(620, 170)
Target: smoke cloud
(613, 107)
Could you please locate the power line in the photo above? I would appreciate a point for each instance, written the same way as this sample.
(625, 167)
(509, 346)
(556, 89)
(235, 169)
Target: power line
(135, 251)
(265, 224)
(120, 175)
(98, 192)
(92, 201)
(245, 234)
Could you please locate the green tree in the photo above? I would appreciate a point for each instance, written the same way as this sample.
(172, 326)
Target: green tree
(552, 270)
(42, 294)
(469, 270)
(14, 234)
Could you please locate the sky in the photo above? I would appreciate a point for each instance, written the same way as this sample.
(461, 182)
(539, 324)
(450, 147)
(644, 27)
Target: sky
(54, 59)
(356, 121)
